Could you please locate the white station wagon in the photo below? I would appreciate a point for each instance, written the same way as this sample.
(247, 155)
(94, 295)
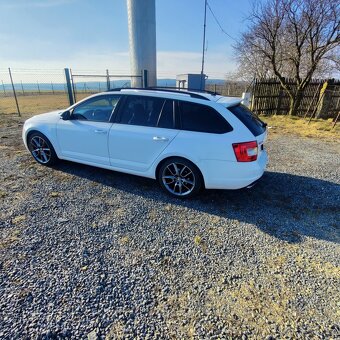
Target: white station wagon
(186, 140)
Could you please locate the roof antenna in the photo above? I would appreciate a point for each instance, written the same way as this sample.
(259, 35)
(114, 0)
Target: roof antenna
(203, 50)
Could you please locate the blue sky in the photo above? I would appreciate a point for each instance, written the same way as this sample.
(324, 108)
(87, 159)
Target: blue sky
(93, 35)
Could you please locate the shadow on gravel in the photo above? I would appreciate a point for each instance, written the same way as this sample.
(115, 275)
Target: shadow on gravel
(283, 205)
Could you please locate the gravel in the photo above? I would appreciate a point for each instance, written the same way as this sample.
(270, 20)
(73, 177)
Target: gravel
(89, 253)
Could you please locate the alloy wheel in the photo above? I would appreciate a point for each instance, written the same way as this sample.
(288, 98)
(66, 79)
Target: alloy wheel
(40, 149)
(178, 179)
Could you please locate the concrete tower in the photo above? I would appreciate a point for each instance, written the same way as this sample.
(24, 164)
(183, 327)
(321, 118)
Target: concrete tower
(142, 38)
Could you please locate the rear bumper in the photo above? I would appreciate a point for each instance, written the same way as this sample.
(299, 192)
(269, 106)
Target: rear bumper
(232, 175)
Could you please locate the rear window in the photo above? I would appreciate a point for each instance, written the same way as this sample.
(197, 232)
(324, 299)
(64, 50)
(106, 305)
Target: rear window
(249, 119)
(202, 118)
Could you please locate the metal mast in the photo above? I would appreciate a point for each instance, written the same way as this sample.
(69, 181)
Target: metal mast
(203, 50)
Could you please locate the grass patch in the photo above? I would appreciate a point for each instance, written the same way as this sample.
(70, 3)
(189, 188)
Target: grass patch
(318, 128)
(3, 194)
(34, 104)
(19, 219)
(7, 240)
(55, 194)
(124, 240)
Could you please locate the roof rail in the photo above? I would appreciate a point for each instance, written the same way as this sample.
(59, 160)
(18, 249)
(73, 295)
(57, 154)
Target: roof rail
(163, 89)
(181, 89)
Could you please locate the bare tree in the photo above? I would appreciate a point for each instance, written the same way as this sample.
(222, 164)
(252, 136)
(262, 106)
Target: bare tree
(291, 39)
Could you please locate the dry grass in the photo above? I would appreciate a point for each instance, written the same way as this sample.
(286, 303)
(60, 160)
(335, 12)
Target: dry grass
(55, 194)
(19, 219)
(8, 238)
(37, 103)
(3, 194)
(318, 128)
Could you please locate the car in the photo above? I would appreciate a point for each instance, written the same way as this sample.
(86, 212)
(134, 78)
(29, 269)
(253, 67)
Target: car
(187, 140)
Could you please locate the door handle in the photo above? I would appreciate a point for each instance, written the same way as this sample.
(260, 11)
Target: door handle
(100, 131)
(160, 139)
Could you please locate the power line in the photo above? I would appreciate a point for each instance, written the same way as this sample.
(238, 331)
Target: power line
(218, 23)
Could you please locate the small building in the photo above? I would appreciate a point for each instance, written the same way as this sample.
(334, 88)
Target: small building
(192, 81)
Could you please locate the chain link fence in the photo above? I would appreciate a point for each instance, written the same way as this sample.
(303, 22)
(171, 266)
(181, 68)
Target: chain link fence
(33, 91)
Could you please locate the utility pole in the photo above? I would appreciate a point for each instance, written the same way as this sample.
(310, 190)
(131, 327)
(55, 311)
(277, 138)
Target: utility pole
(203, 50)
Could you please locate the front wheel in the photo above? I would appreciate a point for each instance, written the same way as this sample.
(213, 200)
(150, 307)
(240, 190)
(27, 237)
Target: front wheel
(180, 178)
(41, 149)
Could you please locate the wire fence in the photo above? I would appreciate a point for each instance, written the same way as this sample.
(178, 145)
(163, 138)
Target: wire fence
(36, 90)
(32, 91)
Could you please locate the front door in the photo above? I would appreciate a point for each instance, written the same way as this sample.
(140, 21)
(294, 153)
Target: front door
(84, 136)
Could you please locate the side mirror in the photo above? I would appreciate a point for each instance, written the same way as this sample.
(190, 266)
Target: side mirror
(66, 115)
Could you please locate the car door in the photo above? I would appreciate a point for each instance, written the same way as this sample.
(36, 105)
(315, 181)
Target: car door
(84, 136)
(145, 126)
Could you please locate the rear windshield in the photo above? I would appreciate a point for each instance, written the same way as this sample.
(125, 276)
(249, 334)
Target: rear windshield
(249, 119)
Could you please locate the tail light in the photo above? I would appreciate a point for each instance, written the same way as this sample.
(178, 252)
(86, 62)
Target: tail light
(245, 152)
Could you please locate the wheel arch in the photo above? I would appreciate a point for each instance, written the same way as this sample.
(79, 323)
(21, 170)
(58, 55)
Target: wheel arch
(188, 160)
(30, 132)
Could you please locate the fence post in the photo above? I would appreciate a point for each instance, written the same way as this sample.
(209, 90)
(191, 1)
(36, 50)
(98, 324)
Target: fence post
(22, 88)
(3, 87)
(73, 87)
(52, 87)
(69, 86)
(107, 80)
(38, 87)
(145, 78)
(15, 95)
(279, 102)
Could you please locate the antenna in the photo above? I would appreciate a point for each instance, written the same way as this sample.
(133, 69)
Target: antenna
(203, 50)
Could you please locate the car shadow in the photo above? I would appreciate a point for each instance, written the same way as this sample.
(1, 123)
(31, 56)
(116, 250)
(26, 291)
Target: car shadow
(282, 205)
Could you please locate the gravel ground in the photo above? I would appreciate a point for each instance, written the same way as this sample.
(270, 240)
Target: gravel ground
(86, 252)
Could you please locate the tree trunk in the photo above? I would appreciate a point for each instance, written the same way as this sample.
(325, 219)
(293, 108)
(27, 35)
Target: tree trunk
(294, 103)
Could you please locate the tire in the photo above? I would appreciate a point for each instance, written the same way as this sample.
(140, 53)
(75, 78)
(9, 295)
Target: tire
(41, 149)
(180, 178)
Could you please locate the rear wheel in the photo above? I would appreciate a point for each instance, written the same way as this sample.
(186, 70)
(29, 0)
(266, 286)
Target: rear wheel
(41, 149)
(180, 178)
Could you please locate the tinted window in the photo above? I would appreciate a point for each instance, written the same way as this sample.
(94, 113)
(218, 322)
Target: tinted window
(166, 118)
(97, 109)
(202, 118)
(249, 119)
(139, 110)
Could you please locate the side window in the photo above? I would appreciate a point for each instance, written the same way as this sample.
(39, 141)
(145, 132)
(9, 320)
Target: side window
(98, 109)
(140, 110)
(202, 118)
(166, 118)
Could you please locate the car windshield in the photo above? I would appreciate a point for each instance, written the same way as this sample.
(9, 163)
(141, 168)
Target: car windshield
(249, 119)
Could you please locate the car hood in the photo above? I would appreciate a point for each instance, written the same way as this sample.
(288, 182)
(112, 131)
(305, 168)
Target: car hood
(46, 117)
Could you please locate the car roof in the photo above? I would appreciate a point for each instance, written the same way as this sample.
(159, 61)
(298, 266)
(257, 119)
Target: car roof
(179, 94)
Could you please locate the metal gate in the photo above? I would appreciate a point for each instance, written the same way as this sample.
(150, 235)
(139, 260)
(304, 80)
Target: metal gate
(81, 85)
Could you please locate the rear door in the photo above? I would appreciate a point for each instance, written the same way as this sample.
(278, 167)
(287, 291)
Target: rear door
(145, 126)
